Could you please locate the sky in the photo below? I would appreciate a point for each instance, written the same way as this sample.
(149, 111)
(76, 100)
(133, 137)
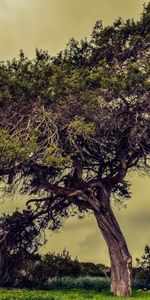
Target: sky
(48, 25)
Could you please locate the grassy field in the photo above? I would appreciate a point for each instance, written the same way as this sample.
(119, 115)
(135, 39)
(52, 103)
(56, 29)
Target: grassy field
(16, 294)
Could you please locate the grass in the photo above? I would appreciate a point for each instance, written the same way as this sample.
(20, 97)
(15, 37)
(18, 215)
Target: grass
(79, 283)
(86, 283)
(18, 294)
(69, 288)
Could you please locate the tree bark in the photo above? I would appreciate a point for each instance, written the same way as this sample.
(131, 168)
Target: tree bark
(120, 258)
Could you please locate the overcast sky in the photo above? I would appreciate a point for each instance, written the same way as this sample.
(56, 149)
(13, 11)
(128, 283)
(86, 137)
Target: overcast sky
(48, 25)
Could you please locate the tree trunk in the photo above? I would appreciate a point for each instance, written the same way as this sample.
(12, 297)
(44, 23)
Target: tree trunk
(120, 258)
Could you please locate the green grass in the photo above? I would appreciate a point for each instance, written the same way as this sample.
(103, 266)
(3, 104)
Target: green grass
(17, 294)
(79, 283)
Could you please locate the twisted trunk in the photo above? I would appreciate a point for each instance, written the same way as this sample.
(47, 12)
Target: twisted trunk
(120, 258)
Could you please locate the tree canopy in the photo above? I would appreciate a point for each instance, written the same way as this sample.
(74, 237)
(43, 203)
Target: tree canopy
(71, 126)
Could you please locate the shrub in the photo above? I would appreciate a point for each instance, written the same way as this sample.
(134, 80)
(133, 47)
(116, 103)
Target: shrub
(87, 282)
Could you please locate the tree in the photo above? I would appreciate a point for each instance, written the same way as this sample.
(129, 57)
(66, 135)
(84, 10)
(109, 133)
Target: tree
(73, 125)
(54, 265)
(20, 238)
(144, 264)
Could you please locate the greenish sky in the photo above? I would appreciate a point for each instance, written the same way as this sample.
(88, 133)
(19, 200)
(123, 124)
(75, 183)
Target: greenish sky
(48, 25)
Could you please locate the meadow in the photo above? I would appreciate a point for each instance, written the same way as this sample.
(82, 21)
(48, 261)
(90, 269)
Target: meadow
(19, 294)
(69, 288)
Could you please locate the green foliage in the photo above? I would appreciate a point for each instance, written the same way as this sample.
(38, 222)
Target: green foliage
(45, 80)
(79, 127)
(53, 158)
(51, 266)
(15, 148)
(143, 265)
(82, 283)
(141, 284)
